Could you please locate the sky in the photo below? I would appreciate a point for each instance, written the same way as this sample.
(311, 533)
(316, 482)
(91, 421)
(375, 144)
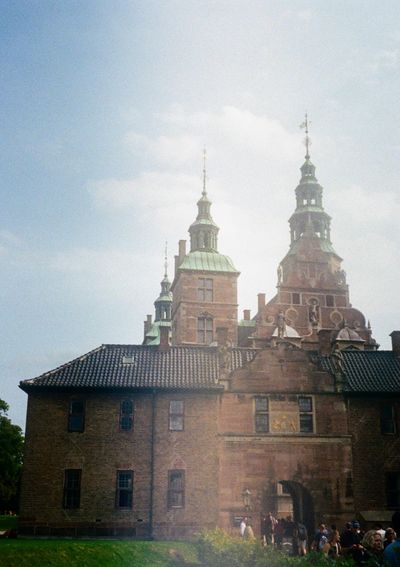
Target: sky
(105, 108)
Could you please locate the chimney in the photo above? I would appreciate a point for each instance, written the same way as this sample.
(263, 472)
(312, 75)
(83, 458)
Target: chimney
(147, 325)
(324, 339)
(246, 314)
(182, 250)
(261, 301)
(395, 342)
(164, 338)
(222, 336)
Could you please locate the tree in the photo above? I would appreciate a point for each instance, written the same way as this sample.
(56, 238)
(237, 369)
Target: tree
(11, 452)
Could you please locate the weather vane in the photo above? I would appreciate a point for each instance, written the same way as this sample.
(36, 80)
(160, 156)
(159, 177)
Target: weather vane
(204, 171)
(307, 142)
(166, 258)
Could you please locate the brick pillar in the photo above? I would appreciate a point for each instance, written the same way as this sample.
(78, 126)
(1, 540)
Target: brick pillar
(147, 325)
(395, 342)
(164, 338)
(246, 314)
(261, 301)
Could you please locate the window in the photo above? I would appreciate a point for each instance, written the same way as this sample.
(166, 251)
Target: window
(176, 489)
(330, 301)
(306, 414)
(204, 330)
(72, 489)
(205, 289)
(296, 298)
(176, 415)
(126, 415)
(76, 417)
(393, 490)
(124, 489)
(261, 414)
(388, 419)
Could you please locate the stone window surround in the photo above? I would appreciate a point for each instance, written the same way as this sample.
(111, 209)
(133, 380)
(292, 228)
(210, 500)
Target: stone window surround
(72, 489)
(176, 415)
(126, 415)
(176, 489)
(124, 489)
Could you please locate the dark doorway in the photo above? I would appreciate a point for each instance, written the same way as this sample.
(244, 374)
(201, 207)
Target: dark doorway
(302, 504)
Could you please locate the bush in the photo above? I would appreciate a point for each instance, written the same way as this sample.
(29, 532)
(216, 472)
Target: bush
(218, 549)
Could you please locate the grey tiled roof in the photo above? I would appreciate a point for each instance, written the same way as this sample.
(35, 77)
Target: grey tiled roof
(368, 371)
(138, 366)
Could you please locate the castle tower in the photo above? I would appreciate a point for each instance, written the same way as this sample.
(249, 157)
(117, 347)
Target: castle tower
(163, 307)
(205, 284)
(312, 292)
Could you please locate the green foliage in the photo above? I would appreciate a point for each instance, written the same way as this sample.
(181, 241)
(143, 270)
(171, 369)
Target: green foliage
(217, 549)
(94, 553)
(11, 450)
(8, 522)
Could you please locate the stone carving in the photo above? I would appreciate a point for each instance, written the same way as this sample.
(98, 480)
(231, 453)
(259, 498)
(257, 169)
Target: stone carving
(281, 323)
(313, 312)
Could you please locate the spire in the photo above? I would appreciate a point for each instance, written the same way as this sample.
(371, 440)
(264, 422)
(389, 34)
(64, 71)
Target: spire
(309, 219)
(164, 301)
(304, 125)
(204, 231)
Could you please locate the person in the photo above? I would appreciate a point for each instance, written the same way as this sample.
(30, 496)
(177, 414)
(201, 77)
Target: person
(268, 524)
(302, 539)
(248, 533)
(351, 542)
(391, 554)
(320, 540)
(334, 542)
(242, 527)
(372, 553)
(279, 532)
(390, 536)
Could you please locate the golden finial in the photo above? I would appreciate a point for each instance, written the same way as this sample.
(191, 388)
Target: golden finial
(307, 142)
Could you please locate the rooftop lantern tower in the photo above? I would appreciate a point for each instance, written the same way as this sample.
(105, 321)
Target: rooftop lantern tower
(204, 232)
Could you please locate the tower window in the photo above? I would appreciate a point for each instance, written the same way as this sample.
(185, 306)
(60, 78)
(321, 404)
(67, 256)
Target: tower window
(72, 489)
(388, 419)
(76, 416)
(204, 330)
(261, 414)
(393, 490)
(296, 298)
(176, 413)
(176, 489)
(205, 289)
(124, 489)
(330, 301)
(306, 416)
(126, 415)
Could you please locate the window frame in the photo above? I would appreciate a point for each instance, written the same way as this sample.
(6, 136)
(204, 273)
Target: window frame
(173, 492)
(205, 290)
(75, 415)
(176, 414)
(308, 414)
(123, 490)
(392, 494)
(72, 489)
(127, 416)
(261, 415)
(205, 330)
(385, 420)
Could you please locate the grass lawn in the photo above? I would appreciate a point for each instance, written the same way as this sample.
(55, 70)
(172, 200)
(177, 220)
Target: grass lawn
(96, 553)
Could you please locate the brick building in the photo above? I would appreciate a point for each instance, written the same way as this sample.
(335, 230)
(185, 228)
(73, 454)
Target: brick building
(293, 411)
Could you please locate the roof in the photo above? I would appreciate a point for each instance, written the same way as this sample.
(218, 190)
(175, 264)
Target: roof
(207, 262)
(141, 367)
(367, 371)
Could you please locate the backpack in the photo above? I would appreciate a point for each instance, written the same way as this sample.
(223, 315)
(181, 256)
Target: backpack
(302, 532)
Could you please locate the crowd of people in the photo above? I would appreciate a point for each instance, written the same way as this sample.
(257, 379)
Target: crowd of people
(378, 546)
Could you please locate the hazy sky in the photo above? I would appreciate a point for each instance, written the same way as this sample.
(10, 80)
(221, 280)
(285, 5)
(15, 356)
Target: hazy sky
(105, 108)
